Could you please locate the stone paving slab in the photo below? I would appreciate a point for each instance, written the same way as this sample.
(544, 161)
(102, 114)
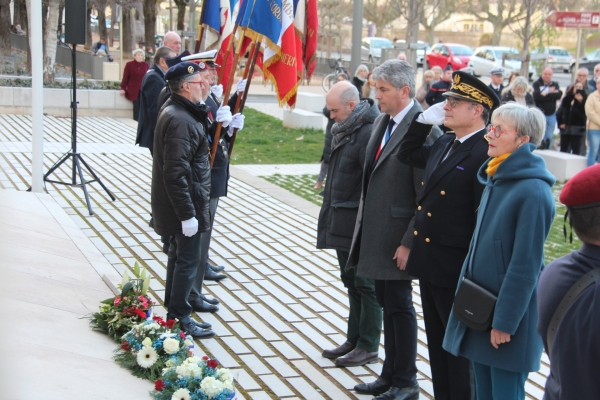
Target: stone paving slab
(282, 300)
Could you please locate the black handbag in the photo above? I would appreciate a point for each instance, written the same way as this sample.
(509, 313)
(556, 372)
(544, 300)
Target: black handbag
(474, 306)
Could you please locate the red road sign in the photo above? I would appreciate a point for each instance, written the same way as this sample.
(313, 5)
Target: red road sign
(568, 19)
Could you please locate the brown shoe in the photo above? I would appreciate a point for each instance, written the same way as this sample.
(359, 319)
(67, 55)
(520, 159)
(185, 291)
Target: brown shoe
(356, 358)
(344, 349)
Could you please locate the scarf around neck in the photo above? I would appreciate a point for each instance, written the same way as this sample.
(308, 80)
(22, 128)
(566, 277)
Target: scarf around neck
(495, 163)
(349, 125)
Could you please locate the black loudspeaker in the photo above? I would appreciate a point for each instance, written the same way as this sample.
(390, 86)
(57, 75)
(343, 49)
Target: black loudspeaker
(75, 21)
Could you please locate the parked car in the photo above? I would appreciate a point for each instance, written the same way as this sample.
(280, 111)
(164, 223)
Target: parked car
(487, 57)
(558, 58)
(443, 54)
(588, 61)
(420, 52)
(371, 48)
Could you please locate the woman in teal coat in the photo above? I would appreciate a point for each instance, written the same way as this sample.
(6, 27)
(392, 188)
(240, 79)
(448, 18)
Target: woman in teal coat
(506, 255)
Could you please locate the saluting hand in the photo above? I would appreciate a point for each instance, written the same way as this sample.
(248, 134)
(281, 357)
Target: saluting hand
(497, 337)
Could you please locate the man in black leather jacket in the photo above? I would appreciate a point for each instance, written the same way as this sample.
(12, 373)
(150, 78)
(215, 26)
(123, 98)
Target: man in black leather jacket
(181, 187)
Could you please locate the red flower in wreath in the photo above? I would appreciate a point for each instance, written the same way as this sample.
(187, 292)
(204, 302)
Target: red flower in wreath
(205, 358)
(117, 300)
(212, 363)
(140, 313)
(125, 346)
(159, 385)
(170, 323)
(182, 334)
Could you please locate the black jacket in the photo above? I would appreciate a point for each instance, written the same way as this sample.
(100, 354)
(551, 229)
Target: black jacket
(359, 83)
(152, 84)
(344, 182)
(508, 96)
(499, 91)
(546, 103)
(435, 94)
(180, 168)
(573, 113)
(327, 147)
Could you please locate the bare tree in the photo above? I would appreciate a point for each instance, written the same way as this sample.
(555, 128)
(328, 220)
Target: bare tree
(5, 47)
(88, 30)
(500, 13)
(330, 17)
(181, 5)
(150, 11)
(50, 40)
(101, 9)
(381, 12)
(433, 13)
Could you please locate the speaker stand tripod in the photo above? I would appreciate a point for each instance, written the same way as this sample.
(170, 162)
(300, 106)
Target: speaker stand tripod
(77, 159)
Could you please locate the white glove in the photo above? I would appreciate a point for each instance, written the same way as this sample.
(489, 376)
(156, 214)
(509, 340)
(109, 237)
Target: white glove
(434, 115)
(224, 116)
(236, 123)
(217, 90)
(190, 227)
(241, 86)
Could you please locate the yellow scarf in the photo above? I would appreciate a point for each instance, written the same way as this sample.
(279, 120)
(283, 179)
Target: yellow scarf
(495, 163)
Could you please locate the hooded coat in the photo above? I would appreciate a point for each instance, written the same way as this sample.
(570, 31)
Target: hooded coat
(506, 257)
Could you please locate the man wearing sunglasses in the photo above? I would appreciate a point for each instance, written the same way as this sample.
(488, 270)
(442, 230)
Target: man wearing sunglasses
(446, 214)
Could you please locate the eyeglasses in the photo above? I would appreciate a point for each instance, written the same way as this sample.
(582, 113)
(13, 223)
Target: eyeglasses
(497, 130)
(199, 83)
(454, 103)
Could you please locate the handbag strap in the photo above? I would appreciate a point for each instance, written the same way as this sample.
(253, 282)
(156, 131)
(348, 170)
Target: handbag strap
(583, 283)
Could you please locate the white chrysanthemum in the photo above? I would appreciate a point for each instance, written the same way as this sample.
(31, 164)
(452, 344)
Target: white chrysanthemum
(188, 342)
(147, 342)
(181, 394)
(224, 375)
(211, 387)
(170, 363)
(146, 357)
(171, 345)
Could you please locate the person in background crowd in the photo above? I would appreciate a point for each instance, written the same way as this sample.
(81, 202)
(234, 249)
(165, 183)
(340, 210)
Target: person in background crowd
(402, 56)
(512, 76)
(446, 214)
(437, 71)
(592, 81)
(573, 118)
(351, 133)
(436, 93)
(152, 84)
(132, 80)
(592, 112)
(582, 77)
(13, 29)
(181, 187)
(100, 48)
(497, 76)
(506, 255)
(360, 77)
(575, 353)
(383, 235)
(173, 41)
(18, 30)
(518, 91)
(424, 88)
(546, 93)
(369, 89)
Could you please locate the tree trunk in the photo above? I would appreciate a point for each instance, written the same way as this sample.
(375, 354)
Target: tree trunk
(412, 32)
(149, 22)
(127, 34)
(497, 35)
(526, 38)
(88, 31)
(50, 40)
(28, 34)
(21, 14)
(180, 15)
(101, 8)
(61, 9)
(113, 21)
(5, 47)
(44, 16)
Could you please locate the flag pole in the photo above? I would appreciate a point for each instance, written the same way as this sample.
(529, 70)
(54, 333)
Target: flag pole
(215, 143)
(201, 31)
(248, 74)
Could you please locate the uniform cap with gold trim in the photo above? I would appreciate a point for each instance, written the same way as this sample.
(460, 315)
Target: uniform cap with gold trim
(467, 87)
(183, 69)
(207, 57)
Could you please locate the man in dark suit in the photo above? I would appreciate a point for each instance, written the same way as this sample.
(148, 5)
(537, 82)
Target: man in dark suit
(383, 232)
(152, 84)
(497, 76)
(446, 214)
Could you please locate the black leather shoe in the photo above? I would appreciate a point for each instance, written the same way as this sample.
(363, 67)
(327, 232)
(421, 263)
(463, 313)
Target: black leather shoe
(210, 275)
(357, 357)
(396, 393)
(203, 307)
(196, 332)
(212, 301)
(340, 351)
(203, 325)
(216, 268)
(375, 388)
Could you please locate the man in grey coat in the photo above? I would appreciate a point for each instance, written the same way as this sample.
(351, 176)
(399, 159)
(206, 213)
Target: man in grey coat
(383, 234)
(350, 134)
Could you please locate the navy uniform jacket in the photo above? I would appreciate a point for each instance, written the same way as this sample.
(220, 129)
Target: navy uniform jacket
(499, 91)
(435, 94)
(576, 351)
(447, 205)
(152, 84)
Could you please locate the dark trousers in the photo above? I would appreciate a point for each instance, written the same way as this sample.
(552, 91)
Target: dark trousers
(451, 375)
(204, 245)
(499, 384)
(400, 332)
(182, 264)
(136, 109)
(571, 144)
(364, 318)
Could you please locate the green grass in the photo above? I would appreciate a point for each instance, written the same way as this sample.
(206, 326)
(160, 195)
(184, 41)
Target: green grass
(556, 246)
(264, 140)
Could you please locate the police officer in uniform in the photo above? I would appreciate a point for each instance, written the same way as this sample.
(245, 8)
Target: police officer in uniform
(446, 214)
(497, 75)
